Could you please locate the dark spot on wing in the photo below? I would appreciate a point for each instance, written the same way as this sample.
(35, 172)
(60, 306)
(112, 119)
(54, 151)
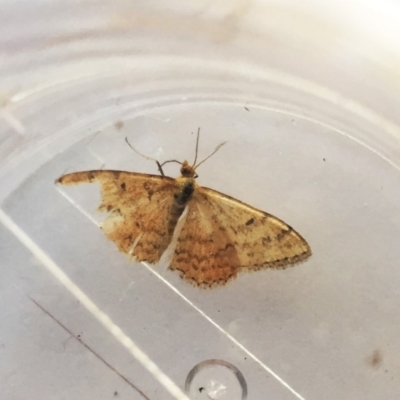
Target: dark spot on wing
(149, 190)
(250, 221)
(266, 240)
(283, 233)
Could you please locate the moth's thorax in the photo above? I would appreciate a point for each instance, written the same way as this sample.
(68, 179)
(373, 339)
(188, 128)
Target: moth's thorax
(185, 191)
(187, 170)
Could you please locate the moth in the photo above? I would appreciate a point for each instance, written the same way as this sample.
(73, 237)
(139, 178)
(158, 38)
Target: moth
(219, 238)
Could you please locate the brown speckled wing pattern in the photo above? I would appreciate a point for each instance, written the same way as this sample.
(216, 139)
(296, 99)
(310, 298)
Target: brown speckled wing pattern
(141, 221)
(222, 236)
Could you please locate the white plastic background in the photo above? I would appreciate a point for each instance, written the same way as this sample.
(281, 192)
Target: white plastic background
(317, 146)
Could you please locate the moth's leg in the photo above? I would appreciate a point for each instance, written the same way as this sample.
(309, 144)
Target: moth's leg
(134, 244)
(166, 162)
(160, 168)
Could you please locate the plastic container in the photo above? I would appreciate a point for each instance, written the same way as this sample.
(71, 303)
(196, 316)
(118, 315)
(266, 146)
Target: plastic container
(307, 95)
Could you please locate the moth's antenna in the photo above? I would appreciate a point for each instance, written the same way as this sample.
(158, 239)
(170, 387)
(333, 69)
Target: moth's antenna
(159, 166)
(216, 149)
(197, 147)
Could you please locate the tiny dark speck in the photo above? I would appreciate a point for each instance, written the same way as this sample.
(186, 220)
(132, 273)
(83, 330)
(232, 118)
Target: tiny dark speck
(201, 389)
(250, 221)
(375, 359)
(119, 125)
(324, 159)
(123, 186)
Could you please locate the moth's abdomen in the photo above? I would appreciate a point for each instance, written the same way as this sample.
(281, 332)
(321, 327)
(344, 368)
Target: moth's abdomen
(183, 195)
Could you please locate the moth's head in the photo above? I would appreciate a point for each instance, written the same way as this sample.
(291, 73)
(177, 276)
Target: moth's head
(187, 170)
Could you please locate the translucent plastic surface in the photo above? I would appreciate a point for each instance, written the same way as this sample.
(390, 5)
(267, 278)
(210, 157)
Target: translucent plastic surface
(311, 124)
